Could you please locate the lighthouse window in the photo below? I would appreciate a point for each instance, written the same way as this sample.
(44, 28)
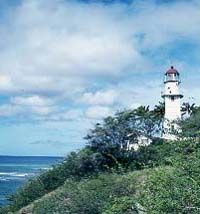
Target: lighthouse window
(173, 98)
(173, 128)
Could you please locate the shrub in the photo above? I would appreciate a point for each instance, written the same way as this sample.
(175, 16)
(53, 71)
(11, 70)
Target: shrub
(123, 205)
(174, 190)
(88, 196)
(76, 166)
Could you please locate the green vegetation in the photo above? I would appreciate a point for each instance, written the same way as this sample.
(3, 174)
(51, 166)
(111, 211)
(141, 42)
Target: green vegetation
(191, 126)
(106, 178)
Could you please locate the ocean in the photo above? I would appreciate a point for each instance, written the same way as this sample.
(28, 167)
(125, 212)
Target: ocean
(15, 171)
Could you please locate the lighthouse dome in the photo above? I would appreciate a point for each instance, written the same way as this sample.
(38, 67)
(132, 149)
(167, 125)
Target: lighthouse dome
(172, 70)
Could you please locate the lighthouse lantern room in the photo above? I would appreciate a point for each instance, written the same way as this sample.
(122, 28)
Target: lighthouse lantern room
(172, 98)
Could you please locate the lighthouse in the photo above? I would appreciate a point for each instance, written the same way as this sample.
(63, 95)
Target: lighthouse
(172, 98)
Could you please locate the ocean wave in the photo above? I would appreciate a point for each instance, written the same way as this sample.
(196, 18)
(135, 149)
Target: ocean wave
(4, 179)
(16, 174)
(43, 168)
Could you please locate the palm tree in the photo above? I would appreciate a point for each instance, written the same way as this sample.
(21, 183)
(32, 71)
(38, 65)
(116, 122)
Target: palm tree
(187, 109)
(159, 111)
(142, 111)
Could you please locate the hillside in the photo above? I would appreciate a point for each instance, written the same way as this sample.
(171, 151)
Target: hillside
(100, 194)
(106, 178)
(172, 186)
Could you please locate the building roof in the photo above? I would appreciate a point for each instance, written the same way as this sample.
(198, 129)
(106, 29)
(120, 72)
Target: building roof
(172, 70)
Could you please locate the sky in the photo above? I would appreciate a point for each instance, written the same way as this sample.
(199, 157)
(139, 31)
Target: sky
(65, 65)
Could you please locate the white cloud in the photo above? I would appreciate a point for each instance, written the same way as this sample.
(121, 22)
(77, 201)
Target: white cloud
(70, 115)
(5, 82)
(56, 46)
(29, 106)
(161, 24)
(108, 97)
(35, 104)
(70, 49)
(66, 64)
(98, 112)
(42, 110)
(48, 49)
(8, 110)
(33, 100)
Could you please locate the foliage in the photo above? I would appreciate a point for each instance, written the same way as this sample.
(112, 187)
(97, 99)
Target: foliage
(159, 111)
(97, 157)
(79, 186)
(173, 190)
(32, 190)
(157, 154)
(88, 196)
(123, 205)
(188, 108)
(112, 137)
(191, 126)
(76, 165)
(173, 186)
(170, 188)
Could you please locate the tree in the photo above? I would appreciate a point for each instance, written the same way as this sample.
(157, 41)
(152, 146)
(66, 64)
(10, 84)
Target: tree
(113, 133)
(141, 111)
(190, 127)
(126, 126)
(159, 111)
(187, 108)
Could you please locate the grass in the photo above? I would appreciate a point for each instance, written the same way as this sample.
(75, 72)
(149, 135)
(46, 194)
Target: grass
(93, 195)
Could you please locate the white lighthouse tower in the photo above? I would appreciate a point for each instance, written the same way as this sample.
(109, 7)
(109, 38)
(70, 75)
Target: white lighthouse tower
(172, 98)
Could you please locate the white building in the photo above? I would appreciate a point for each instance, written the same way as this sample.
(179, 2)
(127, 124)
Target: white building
(141, 141)
(172, 98)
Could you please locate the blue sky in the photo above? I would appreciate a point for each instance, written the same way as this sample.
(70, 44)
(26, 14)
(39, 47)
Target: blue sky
(64, 65)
